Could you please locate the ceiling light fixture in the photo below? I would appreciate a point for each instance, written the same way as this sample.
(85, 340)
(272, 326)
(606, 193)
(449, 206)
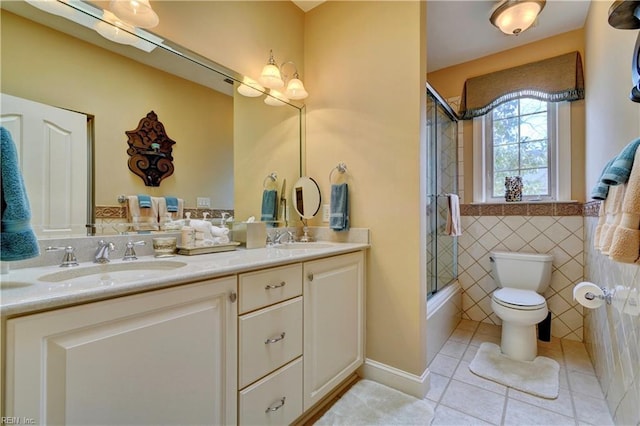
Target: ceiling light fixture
(515, 16)
(114, 29)
(135, 12)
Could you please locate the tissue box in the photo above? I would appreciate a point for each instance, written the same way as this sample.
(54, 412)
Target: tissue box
(252, 234)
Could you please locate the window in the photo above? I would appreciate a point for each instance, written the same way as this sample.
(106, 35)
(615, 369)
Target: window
(523, 137)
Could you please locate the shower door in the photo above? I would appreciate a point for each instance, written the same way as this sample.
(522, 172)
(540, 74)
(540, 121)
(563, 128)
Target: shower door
(442, 178)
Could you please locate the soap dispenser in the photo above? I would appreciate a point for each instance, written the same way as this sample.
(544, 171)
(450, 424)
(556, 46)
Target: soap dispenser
(188, 233)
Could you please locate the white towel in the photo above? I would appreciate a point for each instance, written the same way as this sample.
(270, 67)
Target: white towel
(454, 228)
(209, 234)
(162, 209)
(143, 219)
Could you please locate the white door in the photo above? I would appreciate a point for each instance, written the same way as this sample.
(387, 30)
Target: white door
(166, 357)
(52, 148)
(333, 323)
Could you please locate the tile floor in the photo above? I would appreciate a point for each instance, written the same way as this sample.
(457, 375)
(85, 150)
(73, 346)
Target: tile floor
(462, 398)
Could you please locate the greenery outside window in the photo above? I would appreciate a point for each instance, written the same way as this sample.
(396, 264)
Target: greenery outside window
(524, 137)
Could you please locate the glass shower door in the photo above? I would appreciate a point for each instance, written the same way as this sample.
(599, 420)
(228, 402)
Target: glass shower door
(442, 173)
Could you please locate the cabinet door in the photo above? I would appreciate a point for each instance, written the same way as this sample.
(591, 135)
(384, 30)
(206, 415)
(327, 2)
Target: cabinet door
(333, 323)
(163, 357)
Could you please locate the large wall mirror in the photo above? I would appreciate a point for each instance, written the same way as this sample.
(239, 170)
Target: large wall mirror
(225, 143)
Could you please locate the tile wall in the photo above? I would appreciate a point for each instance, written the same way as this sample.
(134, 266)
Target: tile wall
(612, 332)
(554, 228)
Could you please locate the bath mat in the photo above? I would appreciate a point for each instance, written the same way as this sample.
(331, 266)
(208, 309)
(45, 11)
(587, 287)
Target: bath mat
(539, 377)
(370, 403)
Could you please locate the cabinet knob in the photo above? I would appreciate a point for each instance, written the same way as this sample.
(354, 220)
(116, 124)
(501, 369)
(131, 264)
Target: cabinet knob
(233, 296)
(272, 286)
(276, 405)
(310, 277)
(275, 339)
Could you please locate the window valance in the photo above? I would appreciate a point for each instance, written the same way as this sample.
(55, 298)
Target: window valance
(555, 79)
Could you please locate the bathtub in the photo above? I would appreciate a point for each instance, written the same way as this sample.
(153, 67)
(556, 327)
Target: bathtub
(444, 311)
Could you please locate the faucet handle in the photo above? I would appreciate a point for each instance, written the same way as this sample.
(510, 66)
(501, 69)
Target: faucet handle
(129, 252)
(69, 258)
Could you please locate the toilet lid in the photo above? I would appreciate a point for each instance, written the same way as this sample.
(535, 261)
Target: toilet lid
(519, 299)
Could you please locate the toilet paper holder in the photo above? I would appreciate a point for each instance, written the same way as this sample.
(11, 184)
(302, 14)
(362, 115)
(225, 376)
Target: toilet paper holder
(607, 296)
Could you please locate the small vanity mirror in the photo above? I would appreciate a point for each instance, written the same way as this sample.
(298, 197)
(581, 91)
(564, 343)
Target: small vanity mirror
(306, 197)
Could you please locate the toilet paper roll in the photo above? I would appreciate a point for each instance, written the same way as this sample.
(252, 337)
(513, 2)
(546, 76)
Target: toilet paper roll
(588, 295)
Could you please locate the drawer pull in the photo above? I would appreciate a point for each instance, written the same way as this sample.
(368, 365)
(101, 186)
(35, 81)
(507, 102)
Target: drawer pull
(310, 277)
(272, 286)
(276, 405)
(274, 340)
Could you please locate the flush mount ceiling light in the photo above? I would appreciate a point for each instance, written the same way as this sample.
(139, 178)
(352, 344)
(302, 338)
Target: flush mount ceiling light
(114, 29)
(515, 16)
(135, 12)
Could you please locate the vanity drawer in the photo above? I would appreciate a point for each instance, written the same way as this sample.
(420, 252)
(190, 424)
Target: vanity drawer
(263, 288)
(274, 400)
(268, 339)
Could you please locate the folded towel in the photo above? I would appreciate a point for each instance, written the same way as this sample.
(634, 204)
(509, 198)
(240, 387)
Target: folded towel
(339, 208)
(144, 201)
(269, 212)
(619, 171)
(18, 241)
(163, 211)
(601, 190)
(625, 244)
(145, 219)
(172, 204)
(453, 228)
(612, 216)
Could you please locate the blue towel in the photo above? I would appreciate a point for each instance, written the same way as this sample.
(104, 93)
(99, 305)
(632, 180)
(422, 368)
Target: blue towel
(339, 209)
(601, 190)
(269, 211)
(144, 201)
(18, 241)
(619, 171)
(172, 204)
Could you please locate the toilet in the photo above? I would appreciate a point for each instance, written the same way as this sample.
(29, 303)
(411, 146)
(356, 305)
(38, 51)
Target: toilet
(522, 278)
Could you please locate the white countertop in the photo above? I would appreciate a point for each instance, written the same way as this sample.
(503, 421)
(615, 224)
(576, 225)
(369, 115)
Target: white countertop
(22, 291)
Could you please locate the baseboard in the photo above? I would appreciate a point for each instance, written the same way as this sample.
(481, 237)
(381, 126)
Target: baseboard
(411, 384)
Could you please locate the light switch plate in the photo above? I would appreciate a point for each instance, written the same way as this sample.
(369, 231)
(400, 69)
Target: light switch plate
(326, 212)
(203, 202)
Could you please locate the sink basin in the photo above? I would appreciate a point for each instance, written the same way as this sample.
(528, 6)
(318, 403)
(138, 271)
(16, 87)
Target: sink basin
(7, 285)
(304, 246)
(110, 268)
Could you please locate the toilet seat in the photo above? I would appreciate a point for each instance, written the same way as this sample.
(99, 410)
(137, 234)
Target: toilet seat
(524, 300)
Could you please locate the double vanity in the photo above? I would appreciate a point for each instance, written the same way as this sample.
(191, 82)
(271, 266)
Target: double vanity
(255, 336)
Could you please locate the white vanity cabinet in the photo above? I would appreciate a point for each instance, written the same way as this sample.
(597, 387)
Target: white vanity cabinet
(270, 346)
(164, 357)
(333, 323)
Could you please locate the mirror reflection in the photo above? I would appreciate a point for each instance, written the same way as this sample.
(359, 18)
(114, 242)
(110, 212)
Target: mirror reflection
(225, 143)
(306, 197)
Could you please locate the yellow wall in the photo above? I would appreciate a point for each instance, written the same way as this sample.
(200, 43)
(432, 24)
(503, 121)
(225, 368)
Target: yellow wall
(46, 66)
(449, 82)
(366, 74)
(612, 120)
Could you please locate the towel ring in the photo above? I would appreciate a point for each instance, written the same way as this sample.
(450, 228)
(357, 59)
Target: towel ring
(273, 176)
(341, 168)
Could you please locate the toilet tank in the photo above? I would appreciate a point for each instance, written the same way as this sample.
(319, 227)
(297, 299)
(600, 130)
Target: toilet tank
(526, 271)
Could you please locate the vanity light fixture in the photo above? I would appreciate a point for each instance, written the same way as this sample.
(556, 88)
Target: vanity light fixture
(138, 13)
(270, 76)
(514, 16)
(295, 89)
(114, 29)
(276, 98)
(250, 88)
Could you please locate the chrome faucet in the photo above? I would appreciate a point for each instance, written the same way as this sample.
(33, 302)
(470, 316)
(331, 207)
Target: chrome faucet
(69, 258)
(129, 251)
(290, 238)
(102, 253)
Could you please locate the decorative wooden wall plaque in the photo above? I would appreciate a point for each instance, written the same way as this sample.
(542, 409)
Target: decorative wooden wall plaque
(150, 151)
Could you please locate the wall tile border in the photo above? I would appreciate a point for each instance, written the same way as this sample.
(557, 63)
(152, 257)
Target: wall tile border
(120, 212)
(524, 209)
